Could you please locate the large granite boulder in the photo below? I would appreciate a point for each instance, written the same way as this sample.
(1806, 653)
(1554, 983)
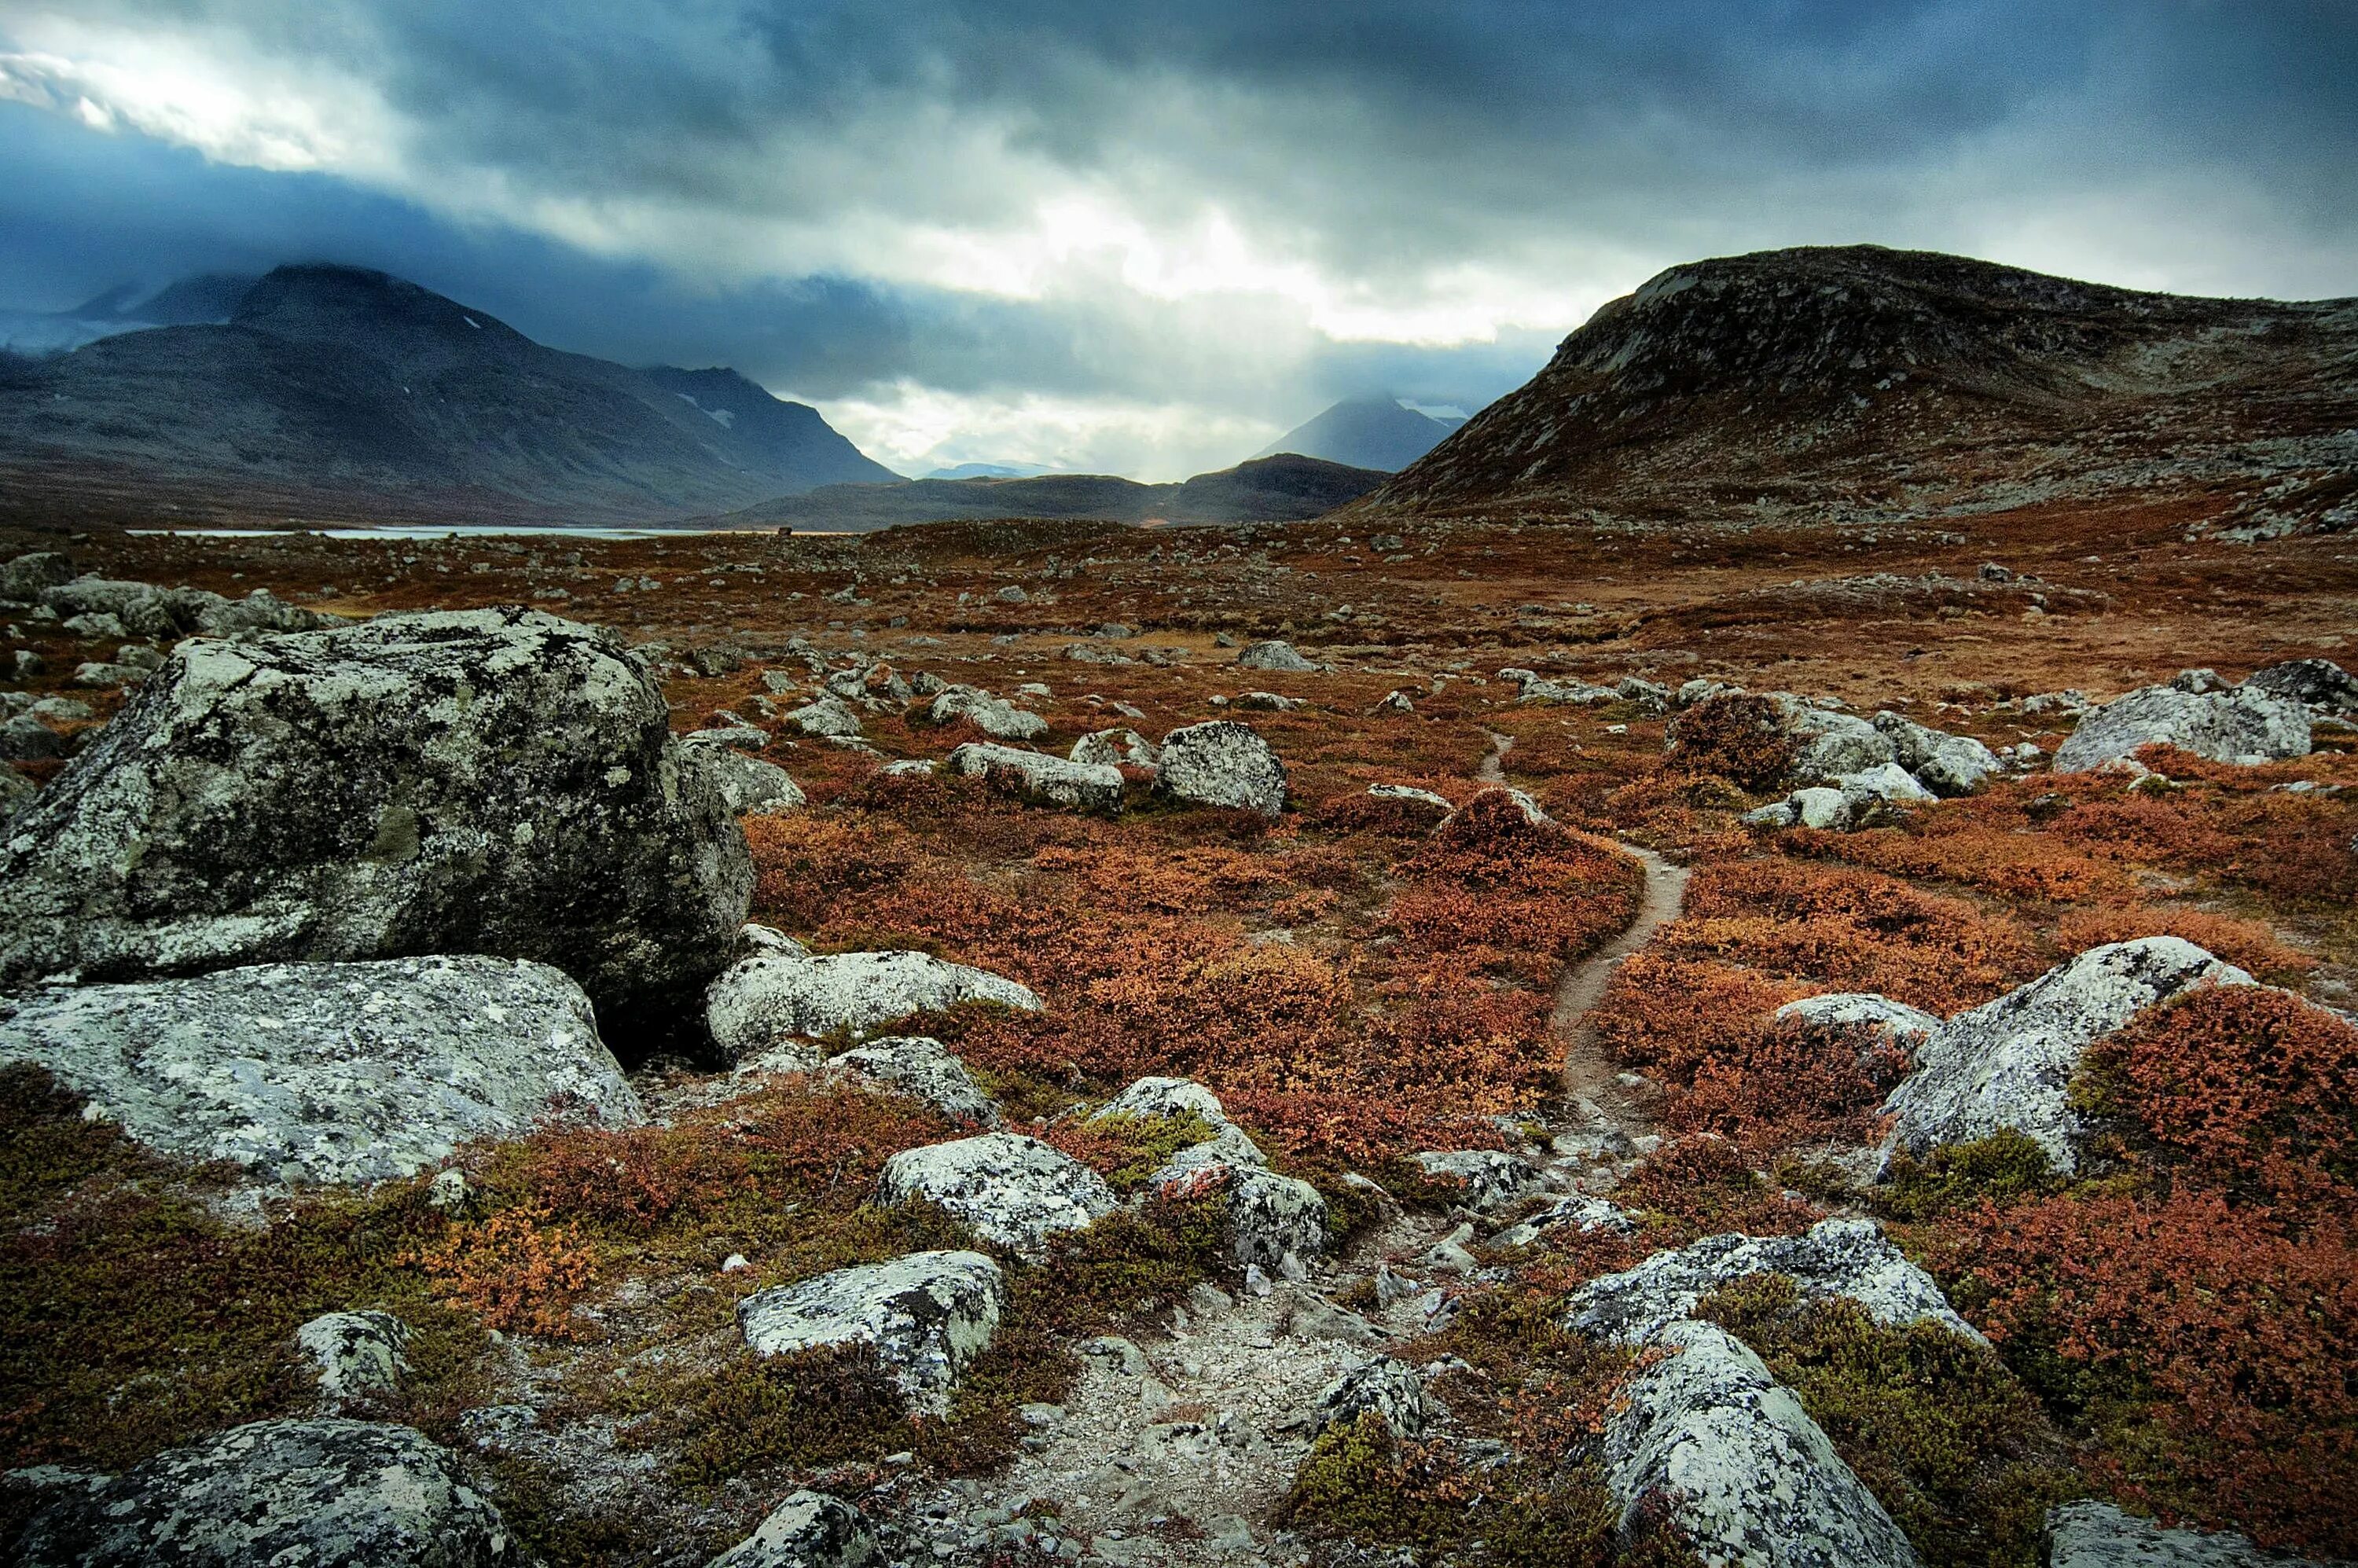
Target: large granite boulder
(1707, 1435)
(1222, 763)
(1846, 1257)
(1828, 744)
(927, 1316)
(1868, 1021)
(809, 1530)
(327, 1072)
(349, 1492)
(1486, 1179)
(2008, 1063)
(1117, 748)
(359, 1356)
(23, 577)
(1037, 776)
(1946, 764)
(492, 781)
(786, 994)
(2246, 725)
(1013, 1190)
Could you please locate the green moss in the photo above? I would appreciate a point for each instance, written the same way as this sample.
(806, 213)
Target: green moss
(1954, 1445)
(2004, 1166)
(1141, 1145)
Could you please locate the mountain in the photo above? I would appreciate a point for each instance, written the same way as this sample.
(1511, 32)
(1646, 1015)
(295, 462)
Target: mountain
(206, 297)
(1860, 384)
(1264, 489)
(988, 470)
(1368, 433)
(336, 392)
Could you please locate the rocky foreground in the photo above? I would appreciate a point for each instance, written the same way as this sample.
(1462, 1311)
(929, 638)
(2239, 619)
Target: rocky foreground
(483, 1090)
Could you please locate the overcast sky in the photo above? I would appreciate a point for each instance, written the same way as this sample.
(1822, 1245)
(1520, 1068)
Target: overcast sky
(1146, 238)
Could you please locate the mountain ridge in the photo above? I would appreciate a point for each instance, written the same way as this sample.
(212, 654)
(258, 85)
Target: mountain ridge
(346, 389)
(1365, 432)
(1858, 384)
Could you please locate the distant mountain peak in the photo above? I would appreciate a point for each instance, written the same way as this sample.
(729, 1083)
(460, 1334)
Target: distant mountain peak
(1378, 433)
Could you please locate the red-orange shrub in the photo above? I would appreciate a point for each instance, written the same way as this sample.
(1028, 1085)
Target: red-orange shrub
(1736, 736)
(515, 1272)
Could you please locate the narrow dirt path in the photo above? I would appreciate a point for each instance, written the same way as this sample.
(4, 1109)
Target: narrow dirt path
(1588, 1074)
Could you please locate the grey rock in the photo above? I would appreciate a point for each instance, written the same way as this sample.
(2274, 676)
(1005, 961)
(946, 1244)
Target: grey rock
(1222, 763)
(922, 1069)
(27, 663)
(2246, 725)
(926, 1315)
(770, 997)
(490, 781)
(1117, 748)
(1162, 1097)
(1867, 1019)
(1530, 810)
(1701, 689)
(1948, 765)
(1649, 696)
(96, 677)
(2009, 1064)
(139, 656)
(2090, 1534)
(827, 717)
(1741, 1469)
(1276, 1222)
(994, 716)
(23, 578)
(1396, 702)
(2314, 683)
(1385, 1388)
(1585, 1215)
(1013, 1190)
(1267, 702)
(809, 1530)
(2199, 682)
(63, 709)
(1437, 804)
(1274, 655)
(328, 1073)
(150, 611)
(1487, 1179)
(1847, 1257)
(1580, 693)
(1011, 594)
(1039, 776)
(1885, 781)
(2068, 703)
(26, 739)
(1828, 744)
(349, 1492)
(736, 736)
(748, 785)
(17, 793)
(358, 1354)
(95, 625)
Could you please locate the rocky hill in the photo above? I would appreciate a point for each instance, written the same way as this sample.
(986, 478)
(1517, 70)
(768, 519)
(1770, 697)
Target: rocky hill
(1365, 432)
(1277, 488)
(341, 392)
(1858, 384)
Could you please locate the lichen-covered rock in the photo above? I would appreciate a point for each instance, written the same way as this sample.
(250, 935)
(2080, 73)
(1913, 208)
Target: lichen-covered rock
(1742, 1471)
(1650, 696)
(168, 612)
(809, 1530)
(748, 786)
(923, 1069)
(1222, 763)
(26, 739)
(1867, 1019)
(358, 1354)
(327, 1072)
(1276, 1223)
(2319, 684)
(994, 716)
(492, 781)
(2090, 1534)
(1847, 1257)
(927, 1315)
(1948, 765)
(1827, 744)
(1388, 1389)
(16, 792)
(1885, 781)
(1274, 655)
(1166, 1098)
(772, 997)
(828, 717)
(1036, 775)
(1013, 1190)
(1487, 1180)
(2009, 1064)
(349, 1492)
(1117, 748)
(2246, 725)
(23, 577)
(1585, 1215)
